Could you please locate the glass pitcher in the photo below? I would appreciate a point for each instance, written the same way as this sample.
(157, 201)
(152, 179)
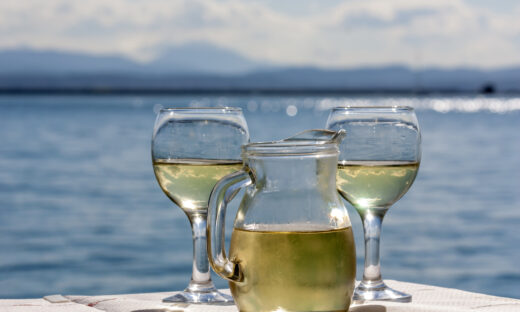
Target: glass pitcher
(292, 247)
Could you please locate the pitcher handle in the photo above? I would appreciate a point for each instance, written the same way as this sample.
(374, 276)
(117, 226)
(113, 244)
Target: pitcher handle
(222, 194)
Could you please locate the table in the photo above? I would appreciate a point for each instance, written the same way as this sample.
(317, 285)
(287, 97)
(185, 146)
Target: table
(426, 298)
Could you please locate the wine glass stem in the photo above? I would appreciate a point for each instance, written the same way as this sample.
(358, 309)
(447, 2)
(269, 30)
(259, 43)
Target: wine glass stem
(201, 276)
(372, 221)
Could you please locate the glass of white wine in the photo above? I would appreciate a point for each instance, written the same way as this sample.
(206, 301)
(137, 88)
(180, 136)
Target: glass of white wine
(378, 162)
(192, 149)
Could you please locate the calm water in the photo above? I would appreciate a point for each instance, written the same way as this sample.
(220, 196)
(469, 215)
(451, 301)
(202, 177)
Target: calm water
(81, 212)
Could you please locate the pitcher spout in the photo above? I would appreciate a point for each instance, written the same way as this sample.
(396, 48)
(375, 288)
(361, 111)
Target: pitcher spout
(319, 136)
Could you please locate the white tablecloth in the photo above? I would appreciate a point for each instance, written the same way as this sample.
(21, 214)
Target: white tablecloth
(425, 299)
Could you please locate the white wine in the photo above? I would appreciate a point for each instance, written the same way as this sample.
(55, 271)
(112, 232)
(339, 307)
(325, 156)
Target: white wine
(375, 184)
(294, 271)
(188, 182)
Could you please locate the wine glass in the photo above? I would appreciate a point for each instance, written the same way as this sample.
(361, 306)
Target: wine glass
(378, 162)
(192, 149)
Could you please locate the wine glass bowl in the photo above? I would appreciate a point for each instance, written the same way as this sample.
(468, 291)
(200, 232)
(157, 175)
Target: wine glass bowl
(379, 160)
(192, 149)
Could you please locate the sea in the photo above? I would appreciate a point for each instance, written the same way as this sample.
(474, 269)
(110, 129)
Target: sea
(82, 213)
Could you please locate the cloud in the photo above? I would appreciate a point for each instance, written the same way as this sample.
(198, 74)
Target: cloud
(350, 33)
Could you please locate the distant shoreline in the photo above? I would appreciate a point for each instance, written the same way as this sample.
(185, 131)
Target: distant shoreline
(240, 91)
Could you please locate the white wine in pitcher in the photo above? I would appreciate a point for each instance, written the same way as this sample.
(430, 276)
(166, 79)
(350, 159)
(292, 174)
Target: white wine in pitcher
(292, 247)
(295, 271)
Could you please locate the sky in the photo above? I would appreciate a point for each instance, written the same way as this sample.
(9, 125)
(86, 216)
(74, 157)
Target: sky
(326, 33)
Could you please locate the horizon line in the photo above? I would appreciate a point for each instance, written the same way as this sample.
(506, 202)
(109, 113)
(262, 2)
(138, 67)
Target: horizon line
(247, 91)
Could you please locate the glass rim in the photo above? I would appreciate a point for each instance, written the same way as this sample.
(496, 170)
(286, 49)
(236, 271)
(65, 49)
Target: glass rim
(377, 107)
(201, 109)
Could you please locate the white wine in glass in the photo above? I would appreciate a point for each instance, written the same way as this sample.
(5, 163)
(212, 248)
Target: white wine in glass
(378, 162)
(188, 182)
(192, 149)
(367, 184)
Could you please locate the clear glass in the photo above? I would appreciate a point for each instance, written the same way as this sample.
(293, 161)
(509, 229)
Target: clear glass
(378, 163)
(192, 148)
(292, 247)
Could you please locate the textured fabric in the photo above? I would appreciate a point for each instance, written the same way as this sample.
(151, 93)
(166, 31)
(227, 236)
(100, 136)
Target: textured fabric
(425, 298)
(42, 305)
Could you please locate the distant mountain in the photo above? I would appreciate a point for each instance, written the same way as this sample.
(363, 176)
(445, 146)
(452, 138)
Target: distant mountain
(26, 61)
(390, 77)
(470, 79)
(201, 58)
(189, 58)
(199, 66)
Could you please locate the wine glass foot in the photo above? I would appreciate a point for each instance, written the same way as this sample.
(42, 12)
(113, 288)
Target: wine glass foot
(379, 292)
(205, 297)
